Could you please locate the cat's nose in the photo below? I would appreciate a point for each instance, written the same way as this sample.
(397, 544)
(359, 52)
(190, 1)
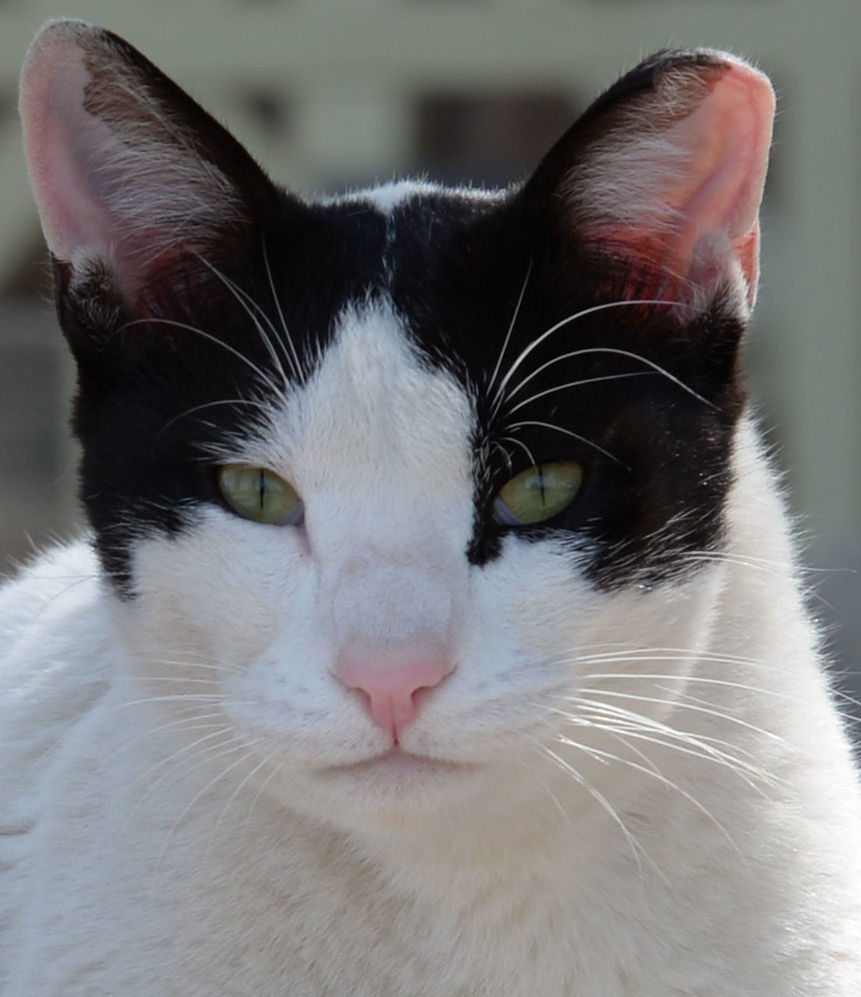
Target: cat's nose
(391, 679)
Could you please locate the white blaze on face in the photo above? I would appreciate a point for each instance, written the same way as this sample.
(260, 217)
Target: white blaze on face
(378, 446)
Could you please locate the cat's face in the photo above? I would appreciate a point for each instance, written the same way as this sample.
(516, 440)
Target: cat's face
(396, 490)
(380, 445)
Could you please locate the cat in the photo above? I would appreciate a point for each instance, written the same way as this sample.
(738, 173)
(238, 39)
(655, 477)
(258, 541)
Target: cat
(439, 630)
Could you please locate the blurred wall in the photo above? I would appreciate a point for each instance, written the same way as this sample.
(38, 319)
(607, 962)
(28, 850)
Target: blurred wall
(339, 92)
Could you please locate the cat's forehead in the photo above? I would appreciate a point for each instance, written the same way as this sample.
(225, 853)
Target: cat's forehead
(442, 268)
(390, 391)
(377, 441)
(374, 409)
(445, 261)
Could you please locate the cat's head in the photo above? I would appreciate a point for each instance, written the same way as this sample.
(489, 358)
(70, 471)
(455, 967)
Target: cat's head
(391, 484)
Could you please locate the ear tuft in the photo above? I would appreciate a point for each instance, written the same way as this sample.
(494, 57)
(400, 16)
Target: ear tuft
(670, 172)
(118, 168)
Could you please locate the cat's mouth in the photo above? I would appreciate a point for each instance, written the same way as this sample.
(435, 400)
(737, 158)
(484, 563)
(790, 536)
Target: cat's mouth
(398, 763)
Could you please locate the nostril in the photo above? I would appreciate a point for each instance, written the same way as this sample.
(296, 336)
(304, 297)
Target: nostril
(390, 681)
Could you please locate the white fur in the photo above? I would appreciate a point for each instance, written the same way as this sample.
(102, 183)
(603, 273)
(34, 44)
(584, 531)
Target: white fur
(390, 196)
(155, 844)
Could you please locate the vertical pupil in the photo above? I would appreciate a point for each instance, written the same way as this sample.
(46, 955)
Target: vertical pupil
(541, 484)
(261, 488)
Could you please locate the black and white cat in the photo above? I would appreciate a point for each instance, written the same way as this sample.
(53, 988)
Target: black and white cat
(439, 631)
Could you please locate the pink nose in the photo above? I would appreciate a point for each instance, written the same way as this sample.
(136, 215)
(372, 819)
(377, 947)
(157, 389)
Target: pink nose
(390, 679)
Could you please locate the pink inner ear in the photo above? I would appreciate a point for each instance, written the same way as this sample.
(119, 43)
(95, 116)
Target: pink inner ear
(685, 199)
(117, 177)
(64, 145)
(729, 137)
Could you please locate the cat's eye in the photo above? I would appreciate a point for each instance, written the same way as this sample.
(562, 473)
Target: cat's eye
(260, 495)
(538, 493)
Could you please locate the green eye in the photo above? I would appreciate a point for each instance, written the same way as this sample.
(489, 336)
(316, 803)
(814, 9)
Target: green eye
(257, 494)
(538, 494)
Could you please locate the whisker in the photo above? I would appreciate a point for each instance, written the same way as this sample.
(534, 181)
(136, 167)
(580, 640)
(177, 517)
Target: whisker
(567, 432)
(698, 679)
(583, 656)
(657, 368)
(847, 700)
(238, 789)
(182, 725)
(522, 445)
(546, 788)
(706, 742)
(265, 379)
(633, 844)
(505, 453)
(651, 770)
(511, 325)
(497, 399)
(210, 698)
(771, 568)
(248, 749)
(275, 770)
(718, 714)
(223, 728)
(589, 708)
(143, 679)
(216, 666)
(207, 405)
(510, 410)
(648, 762)
(203, 756)
(294, 356)
(247, 303)
(684, 742)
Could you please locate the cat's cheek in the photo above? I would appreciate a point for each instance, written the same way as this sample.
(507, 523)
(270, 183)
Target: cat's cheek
(219, 589)
(536, 601)
(640, 645)
(543, 635)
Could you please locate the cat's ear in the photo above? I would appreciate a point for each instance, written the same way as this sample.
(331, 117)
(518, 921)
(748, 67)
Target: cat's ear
(666, 173)
(128, 172)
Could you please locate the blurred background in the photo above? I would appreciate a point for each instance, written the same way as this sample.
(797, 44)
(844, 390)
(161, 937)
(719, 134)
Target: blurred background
(335, 93)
